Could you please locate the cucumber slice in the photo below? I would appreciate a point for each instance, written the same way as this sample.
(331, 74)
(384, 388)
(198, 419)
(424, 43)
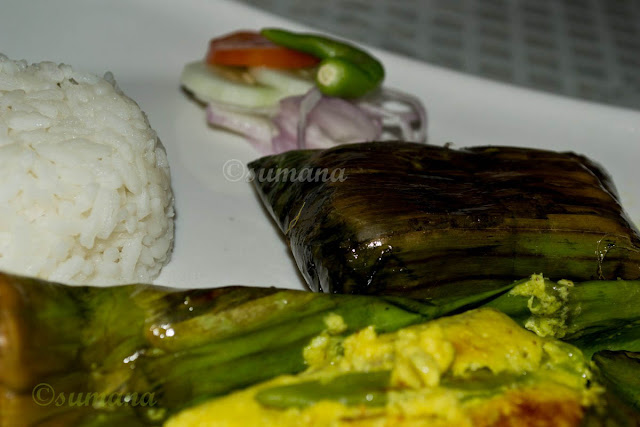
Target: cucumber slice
(292, 83)
(209, 86)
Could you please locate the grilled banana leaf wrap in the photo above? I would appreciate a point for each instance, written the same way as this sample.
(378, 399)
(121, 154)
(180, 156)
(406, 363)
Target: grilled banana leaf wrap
(66, 351)
(427, 221)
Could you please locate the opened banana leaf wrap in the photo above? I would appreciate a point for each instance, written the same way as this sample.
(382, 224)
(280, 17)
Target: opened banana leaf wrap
(65, 349)
(428, 221)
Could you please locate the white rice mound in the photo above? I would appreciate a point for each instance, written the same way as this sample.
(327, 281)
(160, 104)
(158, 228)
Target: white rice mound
(85, 194)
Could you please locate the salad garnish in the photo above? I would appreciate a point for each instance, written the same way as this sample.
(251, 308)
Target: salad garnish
(284, 90)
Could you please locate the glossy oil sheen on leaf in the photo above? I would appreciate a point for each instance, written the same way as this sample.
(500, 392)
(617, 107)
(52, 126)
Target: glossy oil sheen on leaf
(427, 221)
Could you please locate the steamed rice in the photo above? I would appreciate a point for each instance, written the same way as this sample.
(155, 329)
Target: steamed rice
(85, 192)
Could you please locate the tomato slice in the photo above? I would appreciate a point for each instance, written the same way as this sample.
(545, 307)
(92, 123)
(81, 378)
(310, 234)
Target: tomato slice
(250, 49)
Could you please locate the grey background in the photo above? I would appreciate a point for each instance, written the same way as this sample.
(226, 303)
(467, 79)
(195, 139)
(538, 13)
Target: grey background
(588, 49)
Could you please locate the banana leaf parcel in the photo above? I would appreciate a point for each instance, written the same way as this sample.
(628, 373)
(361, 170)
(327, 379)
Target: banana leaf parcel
(427, 221)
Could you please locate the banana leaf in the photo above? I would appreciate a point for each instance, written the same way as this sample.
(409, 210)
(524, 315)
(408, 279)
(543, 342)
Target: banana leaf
(426, 221)
(79, 355)
(619, 372)
(181, 347)
(595, 315)
(387, 379)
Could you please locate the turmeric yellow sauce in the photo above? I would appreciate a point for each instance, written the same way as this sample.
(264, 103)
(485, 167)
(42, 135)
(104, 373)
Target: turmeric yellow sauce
(478, 368)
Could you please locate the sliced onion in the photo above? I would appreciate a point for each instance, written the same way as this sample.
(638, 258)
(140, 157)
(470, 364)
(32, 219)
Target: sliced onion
(317, 121)
(331, 121)
(344, 122)
(259, 130)
(307, 104)
(414, 115)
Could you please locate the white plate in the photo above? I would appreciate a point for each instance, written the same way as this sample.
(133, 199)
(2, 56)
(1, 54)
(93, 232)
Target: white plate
(223, 234)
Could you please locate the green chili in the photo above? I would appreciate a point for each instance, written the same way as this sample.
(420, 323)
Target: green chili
(345, 71)
(354, 388)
